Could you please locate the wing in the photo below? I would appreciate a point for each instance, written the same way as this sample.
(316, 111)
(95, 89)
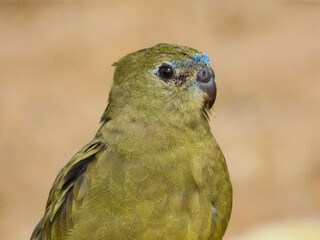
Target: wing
(66, 195)
(221, 193)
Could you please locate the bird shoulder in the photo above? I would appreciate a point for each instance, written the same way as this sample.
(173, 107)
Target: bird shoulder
(66, 194)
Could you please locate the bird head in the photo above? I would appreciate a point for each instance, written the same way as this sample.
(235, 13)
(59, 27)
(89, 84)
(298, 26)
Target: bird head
(162, 82)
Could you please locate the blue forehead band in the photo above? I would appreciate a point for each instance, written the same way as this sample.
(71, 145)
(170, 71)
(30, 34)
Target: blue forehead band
(197, 59)
(201, 58)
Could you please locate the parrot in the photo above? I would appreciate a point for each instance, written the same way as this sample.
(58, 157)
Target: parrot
(154, 170)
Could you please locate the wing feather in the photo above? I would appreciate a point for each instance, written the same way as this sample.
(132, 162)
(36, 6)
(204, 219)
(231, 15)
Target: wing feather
(66, 195)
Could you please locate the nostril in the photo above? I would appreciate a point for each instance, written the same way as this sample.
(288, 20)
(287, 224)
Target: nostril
(204, 75)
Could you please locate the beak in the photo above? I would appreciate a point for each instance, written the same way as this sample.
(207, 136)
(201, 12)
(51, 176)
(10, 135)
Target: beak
(205, 79)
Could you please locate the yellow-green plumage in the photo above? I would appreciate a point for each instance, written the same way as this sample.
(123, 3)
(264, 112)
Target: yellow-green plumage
(153, 170)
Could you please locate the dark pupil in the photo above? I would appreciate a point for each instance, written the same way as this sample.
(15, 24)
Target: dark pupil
(166, 72)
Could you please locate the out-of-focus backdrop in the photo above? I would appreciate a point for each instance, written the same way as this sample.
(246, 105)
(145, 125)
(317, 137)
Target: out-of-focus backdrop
(55, 76)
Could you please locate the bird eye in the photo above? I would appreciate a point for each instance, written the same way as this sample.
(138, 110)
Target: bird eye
(166, 72)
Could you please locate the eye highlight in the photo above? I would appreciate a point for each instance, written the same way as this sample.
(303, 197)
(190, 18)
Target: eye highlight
(165, 72)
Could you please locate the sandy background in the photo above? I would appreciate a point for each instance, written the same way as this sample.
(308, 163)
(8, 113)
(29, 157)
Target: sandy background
(55, 76)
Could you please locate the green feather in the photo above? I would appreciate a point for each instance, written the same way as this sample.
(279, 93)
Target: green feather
(154, 169)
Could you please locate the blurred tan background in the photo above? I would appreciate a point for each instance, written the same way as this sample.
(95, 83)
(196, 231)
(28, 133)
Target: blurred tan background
(55, 76)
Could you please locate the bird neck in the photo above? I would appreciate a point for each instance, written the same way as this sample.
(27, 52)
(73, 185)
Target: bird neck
(137, 129)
